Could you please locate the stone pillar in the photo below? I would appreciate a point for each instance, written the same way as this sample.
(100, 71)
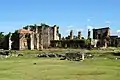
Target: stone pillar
(55, 33)
(95, 42)
(59, 36)
(105, 43)
(79, 35)
(36, 38)
(20, 43)
(89, 33)
(10, 42)
(37, 41)
(48, 42)
(108, 33)
(71, 34)
(32, 41)
(21, 36)
(41, 39)
(36, 30)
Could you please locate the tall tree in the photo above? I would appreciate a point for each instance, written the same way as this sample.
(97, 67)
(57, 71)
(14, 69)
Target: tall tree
(1, 35)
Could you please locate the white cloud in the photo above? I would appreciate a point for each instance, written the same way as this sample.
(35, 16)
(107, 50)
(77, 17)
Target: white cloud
(118, 31)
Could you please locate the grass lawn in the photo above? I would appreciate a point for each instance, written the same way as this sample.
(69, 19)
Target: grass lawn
(55, 69)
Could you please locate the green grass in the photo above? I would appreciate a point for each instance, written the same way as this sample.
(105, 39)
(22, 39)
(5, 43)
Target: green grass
(22, 68)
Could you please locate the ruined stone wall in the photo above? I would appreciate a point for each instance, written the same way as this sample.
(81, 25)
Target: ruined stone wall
(68, 43)
(23, 42)
(39, 37)
(46, 37)
(102, 35)
(47, 34)
(118, 42)
(51, 33)
(113, 40)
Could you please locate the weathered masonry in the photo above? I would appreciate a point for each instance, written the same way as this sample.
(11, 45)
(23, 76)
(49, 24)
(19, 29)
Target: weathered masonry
(71, 41)
(101, 37)
(35, 37)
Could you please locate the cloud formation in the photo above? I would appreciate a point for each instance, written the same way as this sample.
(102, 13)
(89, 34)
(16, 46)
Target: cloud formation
(118, 31)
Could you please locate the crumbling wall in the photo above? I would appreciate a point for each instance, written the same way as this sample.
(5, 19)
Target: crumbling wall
(46, 37)
(33, 37)
(102, 36)
(68, 43)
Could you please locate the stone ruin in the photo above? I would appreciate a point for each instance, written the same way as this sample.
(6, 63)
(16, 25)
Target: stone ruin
(101, 37)
(39, 37)
(32, 37)
(78, 56)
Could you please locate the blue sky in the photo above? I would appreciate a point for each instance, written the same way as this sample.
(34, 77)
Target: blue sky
(68, 14)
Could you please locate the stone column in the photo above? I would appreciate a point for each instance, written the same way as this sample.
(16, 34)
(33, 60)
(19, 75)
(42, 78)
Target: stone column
(20, 41)
(54, 33)
(71, 34)
(37, 41)
(79, 35)
(89, 33)
(105, 43)
(32, 41)
(41, 39)
(48, 42)
(59, 36)
(10, 42)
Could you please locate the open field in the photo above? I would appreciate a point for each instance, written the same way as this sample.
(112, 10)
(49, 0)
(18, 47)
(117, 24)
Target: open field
(23, 68)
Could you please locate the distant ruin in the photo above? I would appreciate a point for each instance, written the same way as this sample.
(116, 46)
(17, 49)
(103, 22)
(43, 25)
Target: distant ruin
(39, 37)
(33, 37)
(101, 37)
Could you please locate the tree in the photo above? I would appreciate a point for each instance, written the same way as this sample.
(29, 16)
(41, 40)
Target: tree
(1, 35)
